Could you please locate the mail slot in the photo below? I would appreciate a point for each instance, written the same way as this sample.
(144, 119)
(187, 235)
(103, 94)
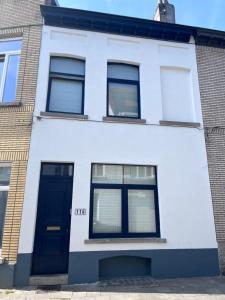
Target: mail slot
(53, 228)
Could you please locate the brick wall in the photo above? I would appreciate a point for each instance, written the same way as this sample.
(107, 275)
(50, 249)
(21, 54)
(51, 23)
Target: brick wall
(19, 18)
(211, 68)
(16, 13)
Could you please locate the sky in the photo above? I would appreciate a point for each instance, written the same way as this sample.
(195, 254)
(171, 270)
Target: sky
(201, 13)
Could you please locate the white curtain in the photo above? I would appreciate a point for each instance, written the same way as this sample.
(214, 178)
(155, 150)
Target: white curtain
(107, 211)
(141, 210)
(123, 100)
(107, 174)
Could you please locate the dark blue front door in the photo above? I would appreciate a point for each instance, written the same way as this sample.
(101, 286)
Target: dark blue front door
(51, 245)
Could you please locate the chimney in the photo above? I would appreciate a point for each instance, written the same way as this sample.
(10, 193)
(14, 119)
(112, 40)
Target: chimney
(165, 12)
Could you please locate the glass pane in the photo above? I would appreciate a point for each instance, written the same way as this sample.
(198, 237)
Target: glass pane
(123, 100)
(3, 201)
(68, 66)
(66, 96)
(119, 71)
(107, 174)
(2, 59)
(139, 175)
(57, 170)
(107, 211)
(13, 45)
(141, 210)
(5, 176)
(11, 78)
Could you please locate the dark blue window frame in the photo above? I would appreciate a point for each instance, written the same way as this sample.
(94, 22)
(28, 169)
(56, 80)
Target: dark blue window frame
(69, 77)
(124, 81)
(124, 209)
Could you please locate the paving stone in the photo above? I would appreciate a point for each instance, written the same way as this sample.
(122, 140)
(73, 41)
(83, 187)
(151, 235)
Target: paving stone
(60, 295)
(148, 289)
(103, 297)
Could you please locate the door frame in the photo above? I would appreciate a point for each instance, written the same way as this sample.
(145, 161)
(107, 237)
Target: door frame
(37, 204)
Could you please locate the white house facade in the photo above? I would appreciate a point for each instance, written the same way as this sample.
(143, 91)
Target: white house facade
(117, 181)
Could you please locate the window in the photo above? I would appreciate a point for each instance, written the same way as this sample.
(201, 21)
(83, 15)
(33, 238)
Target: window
(9, 68)
(54, 169)
(5, 171)
(66, 85)
(177, 95)
(123, 91)
(124, 201)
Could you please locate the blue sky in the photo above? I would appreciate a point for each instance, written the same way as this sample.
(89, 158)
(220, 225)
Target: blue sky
(203, 13)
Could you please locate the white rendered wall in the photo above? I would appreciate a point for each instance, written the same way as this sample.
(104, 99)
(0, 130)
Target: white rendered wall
(177, 95)
(185, 205)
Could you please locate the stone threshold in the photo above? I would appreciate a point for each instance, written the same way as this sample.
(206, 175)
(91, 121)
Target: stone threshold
(45, 280)
(126, 241)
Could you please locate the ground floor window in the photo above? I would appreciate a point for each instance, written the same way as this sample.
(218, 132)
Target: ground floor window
(5, 171)
(124, 201)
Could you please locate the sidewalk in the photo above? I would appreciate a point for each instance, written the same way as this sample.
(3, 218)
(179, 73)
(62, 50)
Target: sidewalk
(130, 289)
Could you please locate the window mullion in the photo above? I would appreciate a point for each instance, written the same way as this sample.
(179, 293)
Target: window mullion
(4, 72)
(156, 202)
(139, 100)
(83, 94)
(124, 211)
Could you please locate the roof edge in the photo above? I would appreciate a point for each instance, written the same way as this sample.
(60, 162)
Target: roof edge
(130, 26)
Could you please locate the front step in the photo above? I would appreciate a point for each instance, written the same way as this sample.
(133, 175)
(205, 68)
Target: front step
(45, 280)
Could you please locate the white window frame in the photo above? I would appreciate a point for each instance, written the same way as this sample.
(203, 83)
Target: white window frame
(5, 188)
(6, 55)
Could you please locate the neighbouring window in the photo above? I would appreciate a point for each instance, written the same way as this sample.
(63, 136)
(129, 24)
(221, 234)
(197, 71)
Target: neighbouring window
(177, 95)
(5, 171)
(123, 91)
(66, 85)
(9, 68)
(124, 201)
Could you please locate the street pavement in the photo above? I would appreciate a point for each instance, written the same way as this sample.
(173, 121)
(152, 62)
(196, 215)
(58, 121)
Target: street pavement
(128, 289)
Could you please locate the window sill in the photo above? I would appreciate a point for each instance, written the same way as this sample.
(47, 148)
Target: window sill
(63, 116)
(180, 124)
(126, 241)
(10, 104)
(123, 120)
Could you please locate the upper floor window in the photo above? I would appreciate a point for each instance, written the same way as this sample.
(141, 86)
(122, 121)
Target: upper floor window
(5, 171)
(123, 91)
(9, 67)
(66, 85)
(124, 201)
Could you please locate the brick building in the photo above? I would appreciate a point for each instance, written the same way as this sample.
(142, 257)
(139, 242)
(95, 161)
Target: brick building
(211, 63)
(20, 34)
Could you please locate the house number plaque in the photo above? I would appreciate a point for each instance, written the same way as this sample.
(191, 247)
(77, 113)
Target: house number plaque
(80, 212)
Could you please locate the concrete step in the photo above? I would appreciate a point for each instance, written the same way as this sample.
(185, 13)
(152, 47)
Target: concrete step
(45, 280)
